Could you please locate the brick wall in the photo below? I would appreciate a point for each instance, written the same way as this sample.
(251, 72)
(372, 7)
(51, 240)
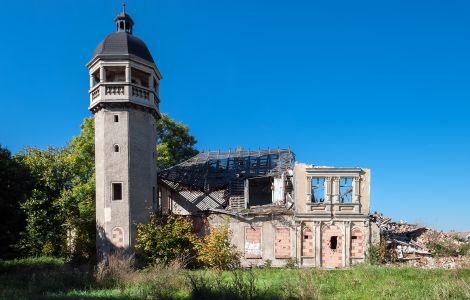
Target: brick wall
(332, 255)
(282, 243)
(307, 242)
(357, 240)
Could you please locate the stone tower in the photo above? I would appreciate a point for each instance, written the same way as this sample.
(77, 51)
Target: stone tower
(124, 99)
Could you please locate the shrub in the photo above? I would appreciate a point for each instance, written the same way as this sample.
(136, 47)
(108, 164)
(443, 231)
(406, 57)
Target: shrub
(217, 252)
(291, 263)
(166, 238)
(373, 255)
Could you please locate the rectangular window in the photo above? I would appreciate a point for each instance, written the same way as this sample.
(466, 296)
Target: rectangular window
(117, 191)
(318, 190)
(345, 190)
(116, 118)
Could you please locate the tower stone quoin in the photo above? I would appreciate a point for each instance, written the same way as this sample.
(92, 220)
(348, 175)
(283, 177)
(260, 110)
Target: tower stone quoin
(124, 98)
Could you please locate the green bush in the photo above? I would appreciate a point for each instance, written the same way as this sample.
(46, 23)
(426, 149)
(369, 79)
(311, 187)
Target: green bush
(166, 238)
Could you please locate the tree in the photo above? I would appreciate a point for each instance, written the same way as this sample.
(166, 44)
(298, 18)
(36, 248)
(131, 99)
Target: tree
(60, 213)
(15, 187)
(45, 233)
(174, 143)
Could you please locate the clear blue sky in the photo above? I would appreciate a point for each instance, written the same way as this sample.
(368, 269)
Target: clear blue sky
(376, 84)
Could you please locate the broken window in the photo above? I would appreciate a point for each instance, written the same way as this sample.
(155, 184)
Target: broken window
(345, 190)
(318, 190)
(260, 191)
(333, 242)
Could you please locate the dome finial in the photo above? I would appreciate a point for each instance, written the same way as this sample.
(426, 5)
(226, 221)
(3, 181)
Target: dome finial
(123, 21)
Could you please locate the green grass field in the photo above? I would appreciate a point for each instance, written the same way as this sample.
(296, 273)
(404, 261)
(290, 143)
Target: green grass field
(49, 278)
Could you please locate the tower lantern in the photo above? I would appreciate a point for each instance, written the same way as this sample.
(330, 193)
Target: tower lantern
(124, 98)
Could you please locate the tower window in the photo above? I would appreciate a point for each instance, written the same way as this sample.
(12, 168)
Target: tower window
(116, 118)
(117, 191)
(116, 148)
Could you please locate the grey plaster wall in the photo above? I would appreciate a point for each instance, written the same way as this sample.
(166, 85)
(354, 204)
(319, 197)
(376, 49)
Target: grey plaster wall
(134, 166)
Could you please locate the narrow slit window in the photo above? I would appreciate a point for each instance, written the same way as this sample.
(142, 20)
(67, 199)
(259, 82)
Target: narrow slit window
(117, 191)
(116, 118)
(116, 148)
(333, 242)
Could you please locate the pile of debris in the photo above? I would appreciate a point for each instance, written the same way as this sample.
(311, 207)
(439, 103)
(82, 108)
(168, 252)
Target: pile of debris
(422, 246)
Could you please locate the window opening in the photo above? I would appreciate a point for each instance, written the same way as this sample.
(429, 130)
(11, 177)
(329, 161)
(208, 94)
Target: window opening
(345, 190)
(318, 190)
(117, 191)
(333, 242)
(139, 77)
(116, 148)
(116, 118)
(260, 191)
(115, 74)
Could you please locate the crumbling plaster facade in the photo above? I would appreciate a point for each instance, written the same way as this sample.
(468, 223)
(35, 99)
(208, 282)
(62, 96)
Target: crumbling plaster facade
(331, 233)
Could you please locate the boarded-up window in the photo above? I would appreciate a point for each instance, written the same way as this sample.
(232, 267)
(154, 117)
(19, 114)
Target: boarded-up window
(357, 238)
(307, 242)
(118, 237)
(282, 243)
(253, 242)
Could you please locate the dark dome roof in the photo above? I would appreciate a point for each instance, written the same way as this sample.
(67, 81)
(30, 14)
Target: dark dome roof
(123, 43)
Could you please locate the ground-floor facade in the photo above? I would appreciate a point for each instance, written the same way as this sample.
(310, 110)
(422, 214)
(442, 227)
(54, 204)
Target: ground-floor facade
(278, 240)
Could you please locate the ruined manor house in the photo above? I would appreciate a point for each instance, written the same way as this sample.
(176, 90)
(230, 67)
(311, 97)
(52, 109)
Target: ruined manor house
(277, 209)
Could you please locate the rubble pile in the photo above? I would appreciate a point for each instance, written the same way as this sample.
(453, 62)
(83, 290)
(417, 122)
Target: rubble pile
(421, 246)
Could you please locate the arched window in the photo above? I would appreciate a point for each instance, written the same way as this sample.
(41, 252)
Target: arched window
(116, 148)
(118, 237)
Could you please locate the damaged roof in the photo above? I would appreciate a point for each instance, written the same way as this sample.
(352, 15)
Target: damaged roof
(216, 170)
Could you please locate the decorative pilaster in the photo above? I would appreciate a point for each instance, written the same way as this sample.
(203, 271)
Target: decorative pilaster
(309, 189)
(335, 190)
(356, 189)
(128, 74)
(318, 237)
(347, 244)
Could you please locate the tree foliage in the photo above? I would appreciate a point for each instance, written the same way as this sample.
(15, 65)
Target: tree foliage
(216, 251)
(166, 238)
(60, 211)
(174, 143)
(15, 187)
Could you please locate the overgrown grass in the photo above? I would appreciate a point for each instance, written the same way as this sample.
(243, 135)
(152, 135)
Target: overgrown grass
(46, 278)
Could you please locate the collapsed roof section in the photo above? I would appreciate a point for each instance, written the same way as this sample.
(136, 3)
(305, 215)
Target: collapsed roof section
(212, 171)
